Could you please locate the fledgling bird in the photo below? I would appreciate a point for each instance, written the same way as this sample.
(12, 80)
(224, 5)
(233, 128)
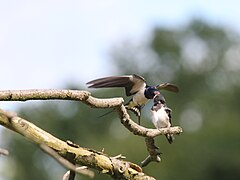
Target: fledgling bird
(161, 115)
(136, 87)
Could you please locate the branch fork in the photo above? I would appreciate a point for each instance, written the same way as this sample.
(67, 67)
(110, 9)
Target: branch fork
(115, 166)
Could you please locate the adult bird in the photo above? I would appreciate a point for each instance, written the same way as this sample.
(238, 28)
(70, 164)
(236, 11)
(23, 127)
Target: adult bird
(161, 115)
(136, 87)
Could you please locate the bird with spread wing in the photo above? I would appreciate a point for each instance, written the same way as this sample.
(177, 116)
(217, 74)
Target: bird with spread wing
(136, 87)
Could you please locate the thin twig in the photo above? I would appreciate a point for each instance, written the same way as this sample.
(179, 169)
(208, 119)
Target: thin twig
(65, 162)
(66, 175)
(72, 175)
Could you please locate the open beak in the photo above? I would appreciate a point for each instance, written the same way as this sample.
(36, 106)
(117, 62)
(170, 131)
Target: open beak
(156, 93)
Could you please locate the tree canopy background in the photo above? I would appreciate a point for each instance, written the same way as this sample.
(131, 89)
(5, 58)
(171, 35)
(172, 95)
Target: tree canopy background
(202, 59)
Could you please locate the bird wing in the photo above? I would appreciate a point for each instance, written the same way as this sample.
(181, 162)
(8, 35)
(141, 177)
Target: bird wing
(131, 83)
(169, 112)
(168, 86)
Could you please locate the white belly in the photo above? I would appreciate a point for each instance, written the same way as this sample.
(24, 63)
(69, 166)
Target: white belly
(160, 118)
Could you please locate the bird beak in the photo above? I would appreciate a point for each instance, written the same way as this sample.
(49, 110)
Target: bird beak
(156, 93)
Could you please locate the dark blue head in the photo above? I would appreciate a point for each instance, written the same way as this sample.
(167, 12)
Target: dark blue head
(150, 92)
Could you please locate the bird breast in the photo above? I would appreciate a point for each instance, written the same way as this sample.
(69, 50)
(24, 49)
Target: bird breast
(139, 98)
(160, 118)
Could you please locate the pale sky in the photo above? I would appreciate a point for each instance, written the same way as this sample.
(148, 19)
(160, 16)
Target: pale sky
(50, 43)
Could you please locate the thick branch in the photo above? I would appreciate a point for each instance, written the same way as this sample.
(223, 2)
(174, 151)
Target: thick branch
(115, 167)
(48, 94)
(43, 94)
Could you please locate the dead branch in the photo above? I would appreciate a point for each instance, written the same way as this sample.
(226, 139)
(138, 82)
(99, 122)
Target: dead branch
(42, 94)
(117, 168)
(49, 94)
(140, 130)
(85, 97)
(154, 154)
(149, 134)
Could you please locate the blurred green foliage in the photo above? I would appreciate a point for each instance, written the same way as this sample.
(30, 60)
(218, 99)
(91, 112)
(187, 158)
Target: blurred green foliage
(203, 60)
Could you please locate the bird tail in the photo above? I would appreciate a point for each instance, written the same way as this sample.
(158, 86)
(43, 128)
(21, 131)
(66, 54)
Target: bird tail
(109, 112)
(170, 138)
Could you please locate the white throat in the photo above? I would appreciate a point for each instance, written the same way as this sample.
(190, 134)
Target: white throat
(139, 98)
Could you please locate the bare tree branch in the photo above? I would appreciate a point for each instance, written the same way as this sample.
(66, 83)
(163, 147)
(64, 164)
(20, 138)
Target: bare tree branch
(85, 97)
(149, 134)
(117, 168)
(42, 94)
(136, 129)
(48, 94)
(154, 154)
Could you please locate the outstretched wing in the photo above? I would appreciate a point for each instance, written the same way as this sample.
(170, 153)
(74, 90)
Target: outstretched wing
(131, 83)
(168, 86)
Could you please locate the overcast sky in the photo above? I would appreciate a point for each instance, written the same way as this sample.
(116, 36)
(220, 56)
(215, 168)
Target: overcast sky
(48, 43)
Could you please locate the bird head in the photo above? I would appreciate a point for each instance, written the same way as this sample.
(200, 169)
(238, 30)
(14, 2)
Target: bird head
(159, 99)
(150, 92)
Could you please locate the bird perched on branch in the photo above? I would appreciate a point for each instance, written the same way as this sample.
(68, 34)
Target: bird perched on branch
(136, 87)
(161, 115)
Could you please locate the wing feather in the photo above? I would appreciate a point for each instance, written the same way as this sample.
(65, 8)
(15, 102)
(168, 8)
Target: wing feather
(168, 87)
(131, 83)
